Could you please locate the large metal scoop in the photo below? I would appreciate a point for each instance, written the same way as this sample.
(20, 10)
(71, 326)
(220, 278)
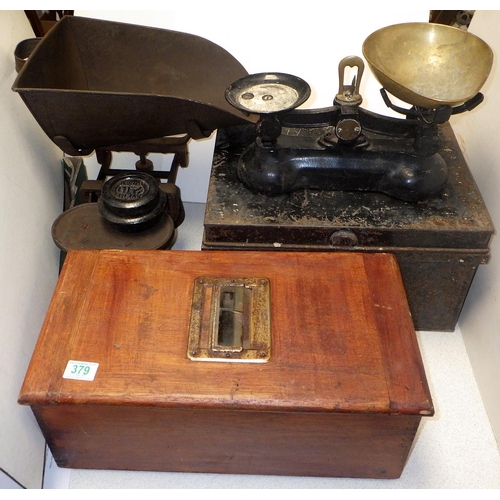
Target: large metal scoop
(428, 65)
(94, 84)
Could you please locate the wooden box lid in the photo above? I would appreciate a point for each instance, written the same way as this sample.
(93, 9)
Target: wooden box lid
(342, 339)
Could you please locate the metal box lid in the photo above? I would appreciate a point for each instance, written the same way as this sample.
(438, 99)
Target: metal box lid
(310, 220)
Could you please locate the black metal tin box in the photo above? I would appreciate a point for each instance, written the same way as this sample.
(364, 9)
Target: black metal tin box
(439, 244)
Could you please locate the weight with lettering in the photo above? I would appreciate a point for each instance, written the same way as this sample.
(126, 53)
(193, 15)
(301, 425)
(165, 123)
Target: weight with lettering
(132, 201)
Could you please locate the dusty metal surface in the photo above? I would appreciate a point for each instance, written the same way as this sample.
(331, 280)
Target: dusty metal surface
(439, 244)
(456, 219)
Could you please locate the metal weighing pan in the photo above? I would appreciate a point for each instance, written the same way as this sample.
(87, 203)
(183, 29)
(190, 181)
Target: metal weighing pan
(428, 65)
(94, 84)
(265, 93)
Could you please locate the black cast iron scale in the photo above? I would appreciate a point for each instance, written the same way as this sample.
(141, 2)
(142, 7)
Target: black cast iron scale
(343, 147)
(346, 179)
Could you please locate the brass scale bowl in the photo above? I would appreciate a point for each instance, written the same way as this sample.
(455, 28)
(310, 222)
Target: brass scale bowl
(428, 65)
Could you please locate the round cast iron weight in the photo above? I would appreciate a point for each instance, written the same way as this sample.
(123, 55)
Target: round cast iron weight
(132, 201)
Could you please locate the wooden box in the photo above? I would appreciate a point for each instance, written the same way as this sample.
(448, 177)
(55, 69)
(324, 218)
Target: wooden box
(323, 375)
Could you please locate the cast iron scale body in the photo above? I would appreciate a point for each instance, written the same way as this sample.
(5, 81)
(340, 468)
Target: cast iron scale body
(343, 147)
(346, 179)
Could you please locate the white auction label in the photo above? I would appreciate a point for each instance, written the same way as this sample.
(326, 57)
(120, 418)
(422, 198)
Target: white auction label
(80, 370)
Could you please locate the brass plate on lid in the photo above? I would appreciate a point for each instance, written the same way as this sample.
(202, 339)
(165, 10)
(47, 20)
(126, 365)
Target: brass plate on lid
(230, 320)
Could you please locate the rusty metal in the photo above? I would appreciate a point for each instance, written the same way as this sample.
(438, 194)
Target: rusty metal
(230, 320)
(428, 65)
(114, 87)
(96, 84)
(83, 228)
(177, 146)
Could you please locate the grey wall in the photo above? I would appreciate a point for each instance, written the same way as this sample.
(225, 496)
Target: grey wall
(32, 192)
(478, 133)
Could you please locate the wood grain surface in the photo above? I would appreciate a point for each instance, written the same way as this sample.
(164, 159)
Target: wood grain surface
(345, 371)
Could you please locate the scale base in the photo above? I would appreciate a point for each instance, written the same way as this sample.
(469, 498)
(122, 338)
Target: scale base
(403, 176)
